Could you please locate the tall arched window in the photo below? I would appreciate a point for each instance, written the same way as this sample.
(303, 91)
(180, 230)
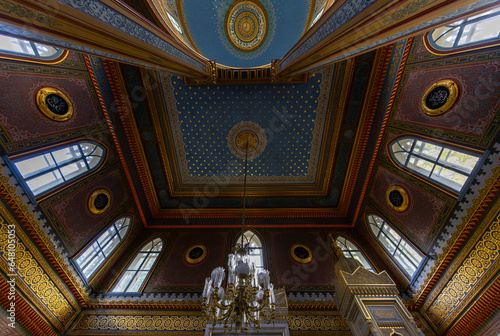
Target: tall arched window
(477, 29)
(137, 271)
(402, 252)
(15, 46)
(48, 170)
(251, 239)
(444, 165)
(352, 251)
(94, 255)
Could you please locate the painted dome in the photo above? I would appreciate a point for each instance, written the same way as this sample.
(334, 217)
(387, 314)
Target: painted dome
(239, 33)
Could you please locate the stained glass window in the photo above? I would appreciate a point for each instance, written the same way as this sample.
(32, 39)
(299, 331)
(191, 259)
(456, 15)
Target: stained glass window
(94, 255)
(476, 29)
(137, 271)
(444, 165)
(48, 170)
(402, 252)
(352, 251)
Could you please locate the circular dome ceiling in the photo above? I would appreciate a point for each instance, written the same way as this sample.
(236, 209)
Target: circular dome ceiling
(244, 33)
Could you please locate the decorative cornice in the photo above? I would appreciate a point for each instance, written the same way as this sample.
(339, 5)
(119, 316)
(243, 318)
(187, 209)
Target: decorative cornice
(473, 216)
(121, 107)
(385, 61)
(24, 312)
(40, 237)
(486, 305)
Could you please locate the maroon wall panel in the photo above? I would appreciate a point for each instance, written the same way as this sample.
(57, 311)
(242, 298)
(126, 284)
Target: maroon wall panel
(479, 98)
(176, 271)
(290, 272)
(413, 219)
(73, 211)
(21, 118)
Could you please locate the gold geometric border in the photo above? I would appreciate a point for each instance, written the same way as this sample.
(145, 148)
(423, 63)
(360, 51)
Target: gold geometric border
(452, 88)
(300, 260)
(41, 102)
(92, 199)
(137, 322)
(197, 260)
(406, 200)
(40, 285)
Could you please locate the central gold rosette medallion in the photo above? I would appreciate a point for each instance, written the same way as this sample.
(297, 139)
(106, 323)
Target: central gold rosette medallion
(246, 25)
(244, 137)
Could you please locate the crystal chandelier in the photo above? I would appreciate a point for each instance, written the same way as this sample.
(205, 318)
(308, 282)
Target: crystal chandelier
(248, 298)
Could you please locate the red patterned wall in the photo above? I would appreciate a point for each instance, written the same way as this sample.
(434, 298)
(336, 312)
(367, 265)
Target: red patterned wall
(417, 222)
(479, 98)
(176, 271)
(21, 118)
(319, 271)
(74, 214)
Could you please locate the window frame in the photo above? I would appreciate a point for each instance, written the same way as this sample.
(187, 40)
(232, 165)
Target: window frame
(254, 235)
(435, 48)
(128, 223)
(58, 57)
(397, 245)
(446, 187)
(348, 251)
(138, 269)
(51, 169)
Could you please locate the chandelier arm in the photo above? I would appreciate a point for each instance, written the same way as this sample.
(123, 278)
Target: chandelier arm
(250, 317)
(265, 302)
(226, 314)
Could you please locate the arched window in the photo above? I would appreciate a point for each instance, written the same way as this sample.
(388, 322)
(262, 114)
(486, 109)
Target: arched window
(256, 253)
(48, 170)
(474, 30)
(404, 254)
(352, 251)
(94, 255)
(15, 46)
(137, 271)
(444, 165)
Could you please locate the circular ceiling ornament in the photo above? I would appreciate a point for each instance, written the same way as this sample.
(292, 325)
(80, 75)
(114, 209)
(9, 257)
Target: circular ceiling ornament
(246, 27)
(99, 201)
(243, 132)
(54, 104)
(196, 254)
(439, 97)
(301, 253)
(397, 198)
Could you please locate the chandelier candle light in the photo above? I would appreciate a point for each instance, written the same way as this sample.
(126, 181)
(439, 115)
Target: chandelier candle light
(249, 297)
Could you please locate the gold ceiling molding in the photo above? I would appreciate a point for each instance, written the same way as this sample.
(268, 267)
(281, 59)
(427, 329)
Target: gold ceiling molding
(385, 58)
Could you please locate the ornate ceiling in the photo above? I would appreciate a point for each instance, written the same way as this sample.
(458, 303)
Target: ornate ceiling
(307, 136)
(238, 33)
